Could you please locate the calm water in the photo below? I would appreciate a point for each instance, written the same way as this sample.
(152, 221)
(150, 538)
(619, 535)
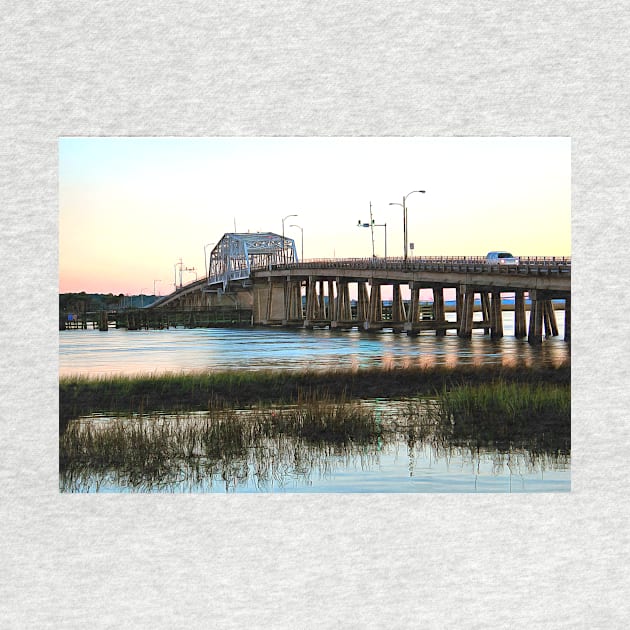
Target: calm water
(398, 466)
(181, 350)
(408, 457)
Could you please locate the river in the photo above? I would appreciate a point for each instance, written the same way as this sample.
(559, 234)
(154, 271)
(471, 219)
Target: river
(118, 351)
(398, 466)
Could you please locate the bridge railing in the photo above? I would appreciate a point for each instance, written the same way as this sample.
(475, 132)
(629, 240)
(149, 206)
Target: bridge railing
(527, 264)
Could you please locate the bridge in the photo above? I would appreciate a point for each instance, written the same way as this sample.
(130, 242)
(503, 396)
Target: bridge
(261, 273)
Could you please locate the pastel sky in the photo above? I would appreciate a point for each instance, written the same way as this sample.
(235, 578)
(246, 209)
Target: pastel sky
(130, 208)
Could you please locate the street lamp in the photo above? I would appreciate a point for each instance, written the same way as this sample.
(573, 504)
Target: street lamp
(284, 251)
(154, 286)
(180, 273)
(373, 225)
(302, 254)
(142, 296)
(404, 207)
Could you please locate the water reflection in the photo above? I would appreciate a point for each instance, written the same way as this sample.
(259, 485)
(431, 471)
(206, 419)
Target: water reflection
(367, 446)
(175, 350)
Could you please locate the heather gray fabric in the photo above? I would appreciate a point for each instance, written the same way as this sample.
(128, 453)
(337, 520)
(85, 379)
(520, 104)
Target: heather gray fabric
(303, 68)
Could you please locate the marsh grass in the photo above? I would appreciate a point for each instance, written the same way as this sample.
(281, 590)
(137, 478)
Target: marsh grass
(274, 443)
(501, 414)
(79, 395)
(156, 449)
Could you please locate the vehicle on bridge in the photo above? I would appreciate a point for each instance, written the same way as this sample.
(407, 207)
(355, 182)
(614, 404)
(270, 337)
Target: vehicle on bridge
(501, 258)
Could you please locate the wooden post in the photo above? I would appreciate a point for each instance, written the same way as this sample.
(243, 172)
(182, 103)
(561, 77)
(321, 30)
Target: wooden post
(567, 319)
(103, 323)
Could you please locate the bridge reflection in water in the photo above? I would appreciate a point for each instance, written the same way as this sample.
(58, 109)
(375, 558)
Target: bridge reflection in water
(259, 274)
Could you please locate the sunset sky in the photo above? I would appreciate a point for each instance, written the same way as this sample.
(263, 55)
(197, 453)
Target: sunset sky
(130, 208)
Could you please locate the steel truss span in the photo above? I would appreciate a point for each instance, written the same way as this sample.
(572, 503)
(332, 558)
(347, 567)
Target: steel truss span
(237, 255)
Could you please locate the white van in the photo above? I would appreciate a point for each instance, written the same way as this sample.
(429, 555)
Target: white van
(501, 258)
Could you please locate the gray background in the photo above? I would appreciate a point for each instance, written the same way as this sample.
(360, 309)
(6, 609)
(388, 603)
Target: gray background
(303, 68)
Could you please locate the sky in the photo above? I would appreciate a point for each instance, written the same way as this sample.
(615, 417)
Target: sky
(130, 208)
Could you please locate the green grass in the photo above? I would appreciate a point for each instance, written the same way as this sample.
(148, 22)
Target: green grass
(275, 442)
(502, 414)
(80, 395)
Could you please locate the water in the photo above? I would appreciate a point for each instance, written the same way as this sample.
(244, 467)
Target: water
(120, 351)
(410, 453)
(400, 465)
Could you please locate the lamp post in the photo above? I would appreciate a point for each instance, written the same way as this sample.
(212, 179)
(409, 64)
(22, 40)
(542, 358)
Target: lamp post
(180, 273)
(142, 296)
(373, 225)
(404, 207)
(154, 285)
(284, 251)
(301, 230)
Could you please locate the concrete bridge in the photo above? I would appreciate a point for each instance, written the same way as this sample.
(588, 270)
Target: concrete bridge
(261, 273)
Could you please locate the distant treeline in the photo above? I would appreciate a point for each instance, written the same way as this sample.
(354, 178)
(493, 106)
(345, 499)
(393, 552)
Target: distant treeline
(88, 302)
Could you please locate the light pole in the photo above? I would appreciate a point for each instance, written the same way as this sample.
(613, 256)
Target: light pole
(284, 251)
(154, 285)
(373, 225)
(404, 207)
(302, 254)
(180, 273)
(142, 296)
(205, 257)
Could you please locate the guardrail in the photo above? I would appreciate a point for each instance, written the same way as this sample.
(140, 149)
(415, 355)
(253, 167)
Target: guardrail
(528, 265)
(478, 264)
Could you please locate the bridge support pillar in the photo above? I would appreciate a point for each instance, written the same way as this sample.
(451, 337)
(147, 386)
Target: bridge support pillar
(363, 301)
(413, 313)
(467, 311)
(332, 304)
(496, 331)
(293, 303)
(375, 308)
(312, 302)
(486, 311)
(549, 319)
(276, 305)
(534, 335)
(322, 300)
(398, 308)
(439, 314)
(520, 328)
(342, 316)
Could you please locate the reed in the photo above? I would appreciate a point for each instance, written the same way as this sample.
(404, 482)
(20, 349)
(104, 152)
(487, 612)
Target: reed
(149, 442)
(273, 443)
(80, 395)
(501, 414)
